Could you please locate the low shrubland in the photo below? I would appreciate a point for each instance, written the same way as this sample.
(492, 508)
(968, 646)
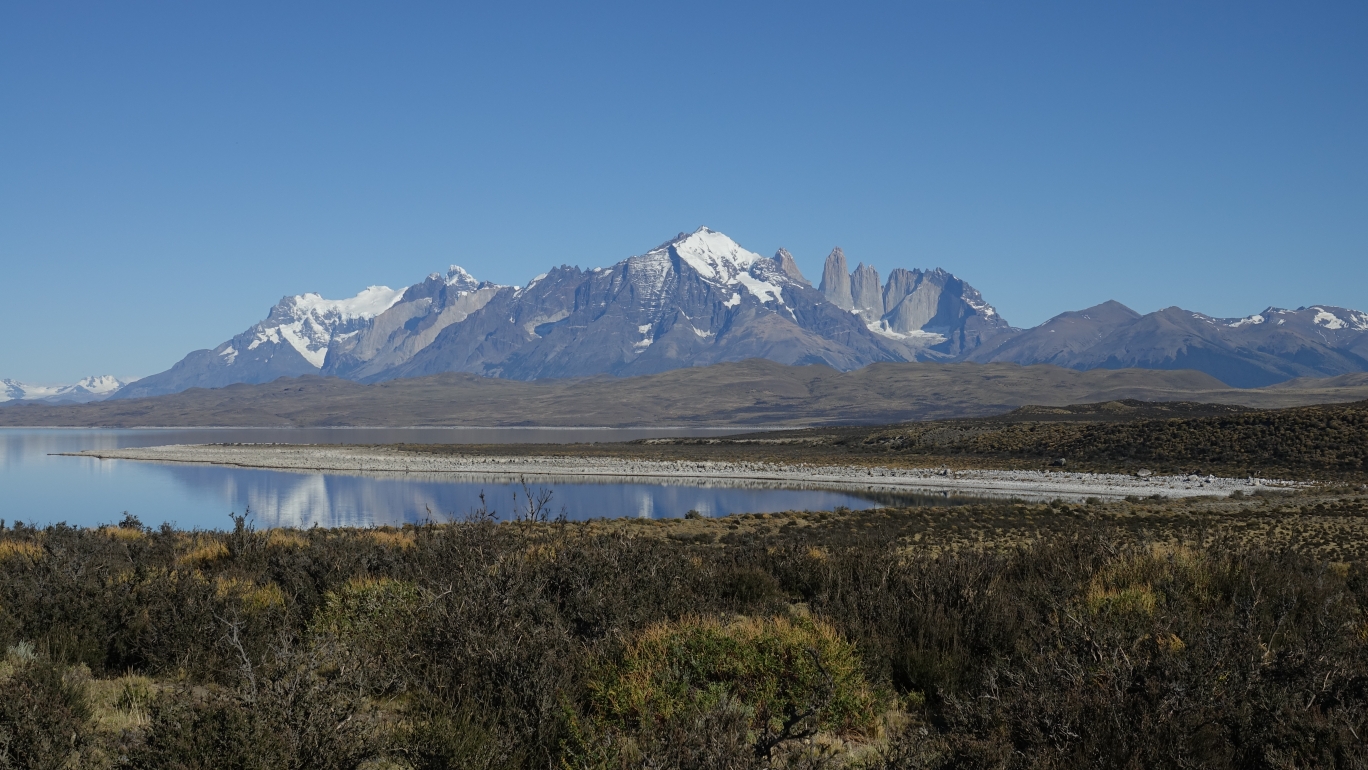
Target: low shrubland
(1325, 443)
(1328, 442)
(817, 640)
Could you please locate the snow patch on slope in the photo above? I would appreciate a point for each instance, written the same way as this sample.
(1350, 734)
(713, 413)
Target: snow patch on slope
(982, 308)
(916, 335)
(650, 338)
(760, 288)
(1327, 319)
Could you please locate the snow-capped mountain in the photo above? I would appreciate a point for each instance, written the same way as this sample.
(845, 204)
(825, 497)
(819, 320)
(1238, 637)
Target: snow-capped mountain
(293, 340)
(83, 391)
(697, 299)
(700, 298)
(410, 325)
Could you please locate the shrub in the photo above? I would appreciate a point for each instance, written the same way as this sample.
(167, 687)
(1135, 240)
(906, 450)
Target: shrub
(776, 679)
(43, 714)
(369, 619)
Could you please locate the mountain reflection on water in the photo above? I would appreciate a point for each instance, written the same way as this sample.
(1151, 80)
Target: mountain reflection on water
(40, 488)
(288, 499)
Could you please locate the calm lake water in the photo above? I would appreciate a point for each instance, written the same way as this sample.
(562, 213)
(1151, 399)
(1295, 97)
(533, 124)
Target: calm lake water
(40, 488)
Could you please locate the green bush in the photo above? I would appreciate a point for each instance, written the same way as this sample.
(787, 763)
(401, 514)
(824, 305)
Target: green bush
(367, 619)
(43, 714)
(780, 678)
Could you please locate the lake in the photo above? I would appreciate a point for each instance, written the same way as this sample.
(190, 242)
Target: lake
(40, 488)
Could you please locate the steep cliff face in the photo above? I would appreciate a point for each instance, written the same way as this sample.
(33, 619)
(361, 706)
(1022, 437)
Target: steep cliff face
(835, 284)
(866, 295)
(932, 314)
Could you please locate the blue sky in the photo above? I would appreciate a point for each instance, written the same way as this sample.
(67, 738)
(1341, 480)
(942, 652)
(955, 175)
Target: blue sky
(169, 171)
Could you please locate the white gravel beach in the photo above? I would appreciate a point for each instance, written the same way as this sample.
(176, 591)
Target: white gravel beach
(995, 483)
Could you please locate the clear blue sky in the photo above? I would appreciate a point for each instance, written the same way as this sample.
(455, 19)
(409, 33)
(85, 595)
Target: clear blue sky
(169, 171)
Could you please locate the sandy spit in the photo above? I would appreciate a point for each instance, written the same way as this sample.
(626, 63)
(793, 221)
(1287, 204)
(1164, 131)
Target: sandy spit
(384, 461)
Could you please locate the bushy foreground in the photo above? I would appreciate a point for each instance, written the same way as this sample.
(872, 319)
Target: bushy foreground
(479, 645)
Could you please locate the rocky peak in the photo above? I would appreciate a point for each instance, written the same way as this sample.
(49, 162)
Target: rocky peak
(866, 294)
(836, 280)
(789, 267)
(460, 280)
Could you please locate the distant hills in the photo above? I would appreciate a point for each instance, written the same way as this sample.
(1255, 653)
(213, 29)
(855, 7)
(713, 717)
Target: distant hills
(702, 299)
(1270, 347)
(749, 393)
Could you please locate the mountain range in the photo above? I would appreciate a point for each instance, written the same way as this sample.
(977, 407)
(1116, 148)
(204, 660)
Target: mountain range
(701, 299)
(82, 392)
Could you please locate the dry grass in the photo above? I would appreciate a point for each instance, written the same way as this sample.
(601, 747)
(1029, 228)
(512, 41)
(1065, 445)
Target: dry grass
(391, 538)
(122, 703)
(204, 552)
(20, 549)
(123, 534)
(254, 598)
(286, 538)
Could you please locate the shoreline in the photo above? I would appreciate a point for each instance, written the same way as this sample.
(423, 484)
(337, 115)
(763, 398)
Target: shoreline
(373, 461)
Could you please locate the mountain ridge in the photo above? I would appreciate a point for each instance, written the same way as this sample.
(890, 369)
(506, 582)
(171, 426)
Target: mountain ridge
(700, 299)
(87, 389)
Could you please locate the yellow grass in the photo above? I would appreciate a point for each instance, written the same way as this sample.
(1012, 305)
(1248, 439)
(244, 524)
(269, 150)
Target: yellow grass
(124, 534)
(17, 549)
(120, 704)
(392, 539)
(1170, 643)
(284, 538)
(204, 553)
(254, 598)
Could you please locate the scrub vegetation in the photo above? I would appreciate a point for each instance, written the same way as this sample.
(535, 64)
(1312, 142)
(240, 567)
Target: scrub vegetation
(1327, 442)
(1147, 633)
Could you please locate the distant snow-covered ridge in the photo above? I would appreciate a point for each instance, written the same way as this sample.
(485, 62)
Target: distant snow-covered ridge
(89, 389)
